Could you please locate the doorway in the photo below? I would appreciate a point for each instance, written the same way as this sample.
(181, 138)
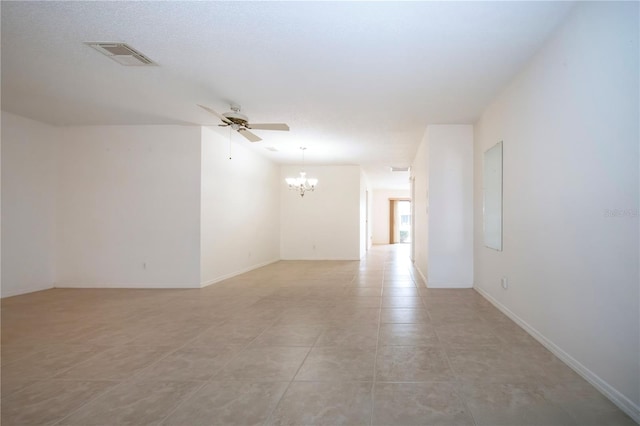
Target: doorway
(399, 221)
(366, 222)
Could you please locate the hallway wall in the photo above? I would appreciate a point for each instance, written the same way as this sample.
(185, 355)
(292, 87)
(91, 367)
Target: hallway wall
(450, 217)
(380, 212)
(569, 126)
(420, 178)
(29, 168)
(240, 209)
(443, 206)
(365, 215)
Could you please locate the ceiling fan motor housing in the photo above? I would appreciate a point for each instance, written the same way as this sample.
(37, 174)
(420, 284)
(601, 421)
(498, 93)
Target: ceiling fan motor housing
(237, 118)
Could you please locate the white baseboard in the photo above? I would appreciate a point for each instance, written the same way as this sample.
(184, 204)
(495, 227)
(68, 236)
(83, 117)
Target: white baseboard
(233, 274)
(149, 286)
(625, 404)
(24, 290)
(325, 258)
(448, 285)
(424, 279)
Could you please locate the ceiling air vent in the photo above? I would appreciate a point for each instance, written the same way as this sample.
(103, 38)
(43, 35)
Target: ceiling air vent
(121, 53)
(399, 169)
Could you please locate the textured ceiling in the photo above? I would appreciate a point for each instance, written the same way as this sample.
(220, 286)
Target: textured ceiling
(356, 81)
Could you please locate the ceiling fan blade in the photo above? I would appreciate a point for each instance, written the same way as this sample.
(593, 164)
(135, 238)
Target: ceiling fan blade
(247, 134)
(269, 126)
(220, 116)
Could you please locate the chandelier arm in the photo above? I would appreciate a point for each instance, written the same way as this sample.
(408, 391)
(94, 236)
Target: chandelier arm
(302, 184)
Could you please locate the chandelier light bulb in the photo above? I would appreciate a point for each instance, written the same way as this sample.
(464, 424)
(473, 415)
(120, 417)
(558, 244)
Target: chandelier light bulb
(302, 184)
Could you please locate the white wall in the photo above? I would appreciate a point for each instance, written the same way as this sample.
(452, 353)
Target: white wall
(129, 207)
(420, 179)
(0, 201)
(324, 224)
(569, 123)
(369, 207)
(443, 182)
(380, 212)
(29, 205)
(450, 206)
(365, 214)
(240, 209)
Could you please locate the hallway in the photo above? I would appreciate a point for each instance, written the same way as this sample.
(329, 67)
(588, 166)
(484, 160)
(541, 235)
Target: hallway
(295, 342)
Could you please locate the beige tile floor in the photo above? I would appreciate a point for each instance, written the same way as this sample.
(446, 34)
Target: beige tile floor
(293, 343)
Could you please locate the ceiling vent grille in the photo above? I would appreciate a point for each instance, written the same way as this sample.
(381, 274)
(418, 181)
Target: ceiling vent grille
(122, 53)
(399, 169)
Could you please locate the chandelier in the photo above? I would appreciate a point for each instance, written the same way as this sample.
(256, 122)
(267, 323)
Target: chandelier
(302, 183)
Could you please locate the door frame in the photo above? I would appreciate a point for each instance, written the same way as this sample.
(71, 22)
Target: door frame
(392, 214)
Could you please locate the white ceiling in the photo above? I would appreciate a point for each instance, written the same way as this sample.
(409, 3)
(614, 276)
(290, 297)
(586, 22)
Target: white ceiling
(356, 81)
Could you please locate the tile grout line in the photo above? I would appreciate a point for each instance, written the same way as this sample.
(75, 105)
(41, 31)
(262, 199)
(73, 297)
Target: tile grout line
(275, 407)
(321, 301)
(208, 381)
(456, 380)
(118, 382)
(136, 375)
(186, 398)
(132, 378)
(87, 402)
(375, 358)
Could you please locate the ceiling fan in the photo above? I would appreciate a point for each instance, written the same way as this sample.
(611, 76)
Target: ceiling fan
(240, 123)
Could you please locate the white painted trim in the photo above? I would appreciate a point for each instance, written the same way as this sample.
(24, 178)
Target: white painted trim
(25, 290)
(233, 274)
(424, 279)
(448, 285)
(625, 404)
(326, 258)
(149, 286)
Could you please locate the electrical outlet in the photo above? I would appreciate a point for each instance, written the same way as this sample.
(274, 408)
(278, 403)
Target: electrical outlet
(504, 282)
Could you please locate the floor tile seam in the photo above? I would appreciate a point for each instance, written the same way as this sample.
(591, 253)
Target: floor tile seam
(258, 380)
(461, 383)
(353, 381)
(99, 395)
(414, 382)
(539, 381)
(315, 342)
(65, 370)
(161, 380)
(420, 345)
(115, 382)
(375, 363)
(449, 347)
(138, 373)
(11, 363)
(561, 406)
(458, 382)
(275, 406)
(458, 386)
(184, 400)
(246, 346)
(367, 380)
(29, 383)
